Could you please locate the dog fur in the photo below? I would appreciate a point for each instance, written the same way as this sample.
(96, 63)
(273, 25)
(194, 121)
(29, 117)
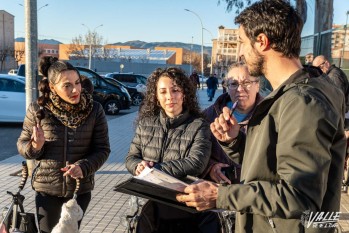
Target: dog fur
(70, 215)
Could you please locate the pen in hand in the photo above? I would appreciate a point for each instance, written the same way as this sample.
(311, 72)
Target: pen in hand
(235, 104)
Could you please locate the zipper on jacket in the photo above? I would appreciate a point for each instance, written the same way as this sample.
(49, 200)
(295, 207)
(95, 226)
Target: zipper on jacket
(34, 174)
(272, 224)
(167, 125)
(65, 159)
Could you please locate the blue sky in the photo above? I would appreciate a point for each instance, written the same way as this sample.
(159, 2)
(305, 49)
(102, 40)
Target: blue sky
(146, 20)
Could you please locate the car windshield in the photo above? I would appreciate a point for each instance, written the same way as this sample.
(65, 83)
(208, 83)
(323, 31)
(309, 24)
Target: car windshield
(112, 81)
(141, 80)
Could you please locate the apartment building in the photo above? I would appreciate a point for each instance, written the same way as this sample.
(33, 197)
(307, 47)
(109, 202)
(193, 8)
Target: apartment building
(6, 41)
(225, 50)
(340, 37)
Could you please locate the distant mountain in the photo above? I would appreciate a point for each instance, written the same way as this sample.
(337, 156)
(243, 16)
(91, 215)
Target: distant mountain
(44, 41)
(141, 44)
(152, 45)
(19, 39)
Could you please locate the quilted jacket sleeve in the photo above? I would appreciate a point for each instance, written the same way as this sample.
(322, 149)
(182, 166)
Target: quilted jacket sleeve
(23, 143)
(134, 155)
(100, 147)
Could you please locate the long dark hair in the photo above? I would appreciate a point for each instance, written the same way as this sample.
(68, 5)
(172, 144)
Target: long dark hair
(51, 68)
(150, 106)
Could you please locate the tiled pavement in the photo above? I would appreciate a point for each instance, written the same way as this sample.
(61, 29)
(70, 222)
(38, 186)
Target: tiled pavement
(106, 207)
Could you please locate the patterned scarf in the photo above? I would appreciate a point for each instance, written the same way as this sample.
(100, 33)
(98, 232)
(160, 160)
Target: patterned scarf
(71, 115)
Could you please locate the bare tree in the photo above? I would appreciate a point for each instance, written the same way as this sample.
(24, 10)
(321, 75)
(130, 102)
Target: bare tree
(4, 53)
(80, 45)
(41, 50)
(106, 52)
(18, 55)
(195, 61)
(237, 4)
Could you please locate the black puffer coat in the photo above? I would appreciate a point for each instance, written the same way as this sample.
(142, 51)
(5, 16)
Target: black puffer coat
(87, 146)
(179, 146)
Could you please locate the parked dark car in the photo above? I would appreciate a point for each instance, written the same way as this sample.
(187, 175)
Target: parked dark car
(137, 97)
(131, 80)
(113, 98)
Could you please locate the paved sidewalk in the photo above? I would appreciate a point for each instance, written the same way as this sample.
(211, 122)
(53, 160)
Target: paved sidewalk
(107, 207)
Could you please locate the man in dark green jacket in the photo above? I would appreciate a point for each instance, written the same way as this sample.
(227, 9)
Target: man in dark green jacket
(294, 148)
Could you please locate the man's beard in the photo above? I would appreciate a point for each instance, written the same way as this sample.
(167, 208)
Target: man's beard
(256, 68)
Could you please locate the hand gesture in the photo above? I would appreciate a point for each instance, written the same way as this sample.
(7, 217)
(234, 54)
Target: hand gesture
(37, 138)
(202, 195)
(217, 175)
(140, 166)
(225, 127)
(72, 170)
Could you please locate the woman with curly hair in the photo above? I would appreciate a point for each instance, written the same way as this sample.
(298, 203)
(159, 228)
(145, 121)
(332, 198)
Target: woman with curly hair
(66, 133)
(173, 137)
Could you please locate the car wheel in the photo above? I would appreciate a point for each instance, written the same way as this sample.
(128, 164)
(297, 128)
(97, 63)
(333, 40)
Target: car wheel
(137, 99)
(111, 107)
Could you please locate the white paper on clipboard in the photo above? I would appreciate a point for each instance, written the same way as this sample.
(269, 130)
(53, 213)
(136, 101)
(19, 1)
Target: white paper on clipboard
(158, 177)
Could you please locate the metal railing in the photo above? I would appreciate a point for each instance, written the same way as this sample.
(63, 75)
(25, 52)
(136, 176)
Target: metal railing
(329, 43)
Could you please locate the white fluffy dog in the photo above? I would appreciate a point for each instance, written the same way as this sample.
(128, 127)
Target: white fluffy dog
(71, 214)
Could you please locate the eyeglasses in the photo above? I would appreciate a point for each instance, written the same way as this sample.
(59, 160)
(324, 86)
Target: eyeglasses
(245, 84)
(321, 65)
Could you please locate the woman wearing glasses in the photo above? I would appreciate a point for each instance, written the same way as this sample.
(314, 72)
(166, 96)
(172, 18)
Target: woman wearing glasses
(243, 92)
(173, 137)
(242, 96)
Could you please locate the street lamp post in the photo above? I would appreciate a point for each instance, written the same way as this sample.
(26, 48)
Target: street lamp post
(42, 6)
(31, 56)
(202, 46)
(191, 50)
(37, 9)
(90, 40)
(211, 49)
(345, 35)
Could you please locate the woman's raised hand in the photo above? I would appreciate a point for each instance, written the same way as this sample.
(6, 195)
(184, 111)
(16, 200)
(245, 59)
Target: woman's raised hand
(37, 138)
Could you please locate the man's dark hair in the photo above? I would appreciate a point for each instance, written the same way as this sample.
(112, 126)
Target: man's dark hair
(278, 20)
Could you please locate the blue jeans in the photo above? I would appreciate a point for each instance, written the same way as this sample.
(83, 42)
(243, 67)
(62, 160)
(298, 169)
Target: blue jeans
(211, 92)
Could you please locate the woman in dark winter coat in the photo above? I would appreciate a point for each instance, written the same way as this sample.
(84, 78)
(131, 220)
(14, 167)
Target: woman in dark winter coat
(243, 89)
(171, 136)
(66, 132)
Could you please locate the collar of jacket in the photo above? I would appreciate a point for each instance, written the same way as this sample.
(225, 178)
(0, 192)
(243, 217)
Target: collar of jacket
(331, 68)
(301, 76)
(176, 121)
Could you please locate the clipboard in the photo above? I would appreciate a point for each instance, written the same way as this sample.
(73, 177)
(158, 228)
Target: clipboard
(154, 192)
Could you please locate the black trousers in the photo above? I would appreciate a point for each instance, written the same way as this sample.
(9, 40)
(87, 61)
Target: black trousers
(49, 209)
(160, 218)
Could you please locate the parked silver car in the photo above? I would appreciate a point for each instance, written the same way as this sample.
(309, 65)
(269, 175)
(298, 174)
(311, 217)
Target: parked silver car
(12, 98)
(12, 72)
